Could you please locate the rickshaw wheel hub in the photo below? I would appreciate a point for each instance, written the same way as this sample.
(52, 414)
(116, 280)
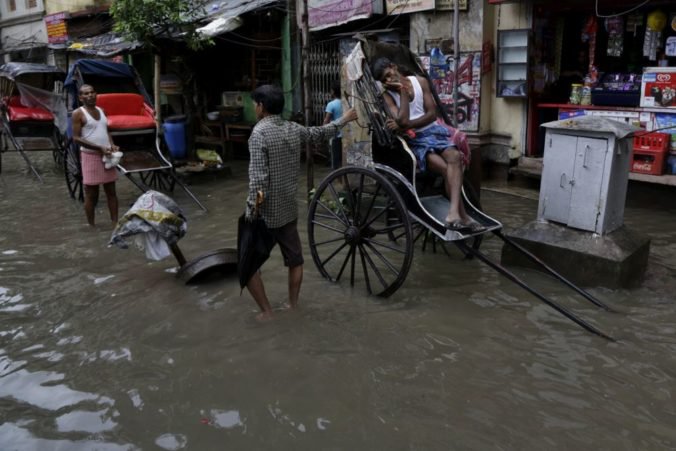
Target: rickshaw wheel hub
(352, 235)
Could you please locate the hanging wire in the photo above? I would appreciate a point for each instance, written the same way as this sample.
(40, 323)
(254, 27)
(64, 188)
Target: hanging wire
(596, 5)
(397, 15)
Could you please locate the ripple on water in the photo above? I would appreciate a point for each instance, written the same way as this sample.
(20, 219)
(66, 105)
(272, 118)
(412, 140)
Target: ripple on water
(91, 422)
(15, 437)
(227, 419)
(172, 442)
(457, 358)
(43, 390)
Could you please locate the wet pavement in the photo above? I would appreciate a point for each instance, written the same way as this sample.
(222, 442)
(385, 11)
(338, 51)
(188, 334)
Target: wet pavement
(101, 349)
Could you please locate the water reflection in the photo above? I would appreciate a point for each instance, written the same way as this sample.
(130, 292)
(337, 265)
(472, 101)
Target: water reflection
(20, 438)
(227, 419)
(171, 442)
(100, 349)
(92, 422)
(41, 389)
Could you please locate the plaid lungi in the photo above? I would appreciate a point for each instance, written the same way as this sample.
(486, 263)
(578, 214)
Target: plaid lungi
(93, 171)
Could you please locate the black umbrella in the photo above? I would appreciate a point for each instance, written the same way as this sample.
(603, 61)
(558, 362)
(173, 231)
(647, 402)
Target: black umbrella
(254, 243)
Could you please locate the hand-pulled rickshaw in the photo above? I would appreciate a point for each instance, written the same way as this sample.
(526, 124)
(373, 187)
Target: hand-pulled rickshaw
(131, 122)
(32, 110)
(363, 220)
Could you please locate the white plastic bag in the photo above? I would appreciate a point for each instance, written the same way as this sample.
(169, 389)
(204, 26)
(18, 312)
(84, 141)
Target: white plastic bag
(153, 244)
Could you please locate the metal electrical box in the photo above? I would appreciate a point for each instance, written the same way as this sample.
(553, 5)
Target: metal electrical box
(585, 173)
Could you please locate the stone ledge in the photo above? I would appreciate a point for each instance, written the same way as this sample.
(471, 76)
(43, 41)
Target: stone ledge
(616, 260)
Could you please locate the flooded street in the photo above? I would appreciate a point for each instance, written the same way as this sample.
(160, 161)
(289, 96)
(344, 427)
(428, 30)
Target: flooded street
(102, 349)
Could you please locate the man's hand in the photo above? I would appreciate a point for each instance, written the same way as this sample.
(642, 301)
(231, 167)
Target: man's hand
(392, 125)
(393, 86)
(349, 116)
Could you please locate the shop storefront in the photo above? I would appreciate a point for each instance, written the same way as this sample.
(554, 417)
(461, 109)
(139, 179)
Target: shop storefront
(615, 61)
(611, 58)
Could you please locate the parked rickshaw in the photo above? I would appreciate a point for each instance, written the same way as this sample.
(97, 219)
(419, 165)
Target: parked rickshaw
(32, 111)
(362, 219)
(131, 122)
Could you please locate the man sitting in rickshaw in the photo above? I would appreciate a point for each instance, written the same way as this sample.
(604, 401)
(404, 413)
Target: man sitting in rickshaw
(412, 106)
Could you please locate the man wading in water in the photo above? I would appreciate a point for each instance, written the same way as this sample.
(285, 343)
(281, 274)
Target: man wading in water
(90, 131)
(275, 147)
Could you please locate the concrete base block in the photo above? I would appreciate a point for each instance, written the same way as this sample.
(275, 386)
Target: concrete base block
(616, 260)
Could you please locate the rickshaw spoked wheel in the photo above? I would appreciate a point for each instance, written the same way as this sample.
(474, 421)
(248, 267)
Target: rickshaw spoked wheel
(358, 226)
(72, 169)
(3, 146)
(59, 151)
(158, 180)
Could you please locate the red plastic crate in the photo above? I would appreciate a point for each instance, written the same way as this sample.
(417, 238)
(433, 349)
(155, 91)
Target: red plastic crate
(657, 142)
(649, 153)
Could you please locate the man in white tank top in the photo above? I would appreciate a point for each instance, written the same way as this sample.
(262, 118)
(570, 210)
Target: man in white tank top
(90, 131)
(413, 108)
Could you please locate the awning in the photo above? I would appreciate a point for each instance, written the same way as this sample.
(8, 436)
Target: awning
(332, 13)
(104, 45)
(223, 17)
(22, 48)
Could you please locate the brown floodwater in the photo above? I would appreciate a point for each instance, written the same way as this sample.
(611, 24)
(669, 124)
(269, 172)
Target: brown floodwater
(102, 349)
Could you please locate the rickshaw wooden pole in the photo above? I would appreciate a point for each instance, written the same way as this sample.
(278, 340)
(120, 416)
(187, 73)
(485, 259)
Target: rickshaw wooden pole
(19, 148)
(511, 276)
(456, 58)
(156, 88)
(552, 271)
(178, 254)
(306, 94)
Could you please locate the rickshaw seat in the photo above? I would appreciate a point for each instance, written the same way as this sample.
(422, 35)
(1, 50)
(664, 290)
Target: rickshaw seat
(17, 112)
(126, 111)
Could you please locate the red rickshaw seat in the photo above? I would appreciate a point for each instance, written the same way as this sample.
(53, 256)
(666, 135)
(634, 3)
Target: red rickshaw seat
(126, 111)
(18, 112)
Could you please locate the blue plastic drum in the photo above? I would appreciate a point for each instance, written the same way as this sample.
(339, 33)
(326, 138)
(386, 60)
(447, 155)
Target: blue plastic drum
(174, 136)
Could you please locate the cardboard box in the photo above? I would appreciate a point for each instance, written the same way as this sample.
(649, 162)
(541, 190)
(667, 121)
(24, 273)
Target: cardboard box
(658, 87)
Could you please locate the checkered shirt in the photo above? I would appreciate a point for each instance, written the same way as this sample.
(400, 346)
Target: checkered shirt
(275, 147)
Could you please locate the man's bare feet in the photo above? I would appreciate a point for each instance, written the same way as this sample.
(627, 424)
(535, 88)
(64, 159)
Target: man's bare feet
(289, 306)
(451, 219)
(264, 317)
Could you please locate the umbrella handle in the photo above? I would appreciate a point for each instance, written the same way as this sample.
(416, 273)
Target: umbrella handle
(260, 197)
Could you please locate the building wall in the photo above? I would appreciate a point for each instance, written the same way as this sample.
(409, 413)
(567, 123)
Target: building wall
(439, 25)
(502, 126)
(56, 6)
(23, 8)
(23, 35)
(507, 115)
(21, 29)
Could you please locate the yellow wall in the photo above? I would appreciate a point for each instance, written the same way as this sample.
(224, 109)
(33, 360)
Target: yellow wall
(508, 115)
(55, 6)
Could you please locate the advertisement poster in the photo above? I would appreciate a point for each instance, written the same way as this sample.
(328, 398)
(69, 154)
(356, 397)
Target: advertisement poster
(56, 28)
(658, 87)
(329, 13)
(449, 5)
(440, 68)
(408, 6)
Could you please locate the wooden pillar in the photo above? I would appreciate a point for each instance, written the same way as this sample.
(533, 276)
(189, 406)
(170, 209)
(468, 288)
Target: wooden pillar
(156, 88)
(306, 94)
